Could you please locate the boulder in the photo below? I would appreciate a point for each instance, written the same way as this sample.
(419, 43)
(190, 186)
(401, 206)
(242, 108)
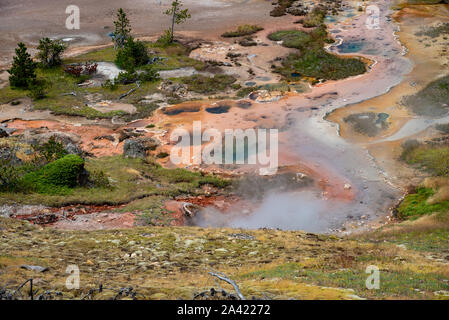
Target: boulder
(69, 141)
(137, 148)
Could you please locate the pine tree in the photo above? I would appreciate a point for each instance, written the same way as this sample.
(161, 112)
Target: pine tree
(23, 70)
(122, 29)
(178, 16)
(50, 52)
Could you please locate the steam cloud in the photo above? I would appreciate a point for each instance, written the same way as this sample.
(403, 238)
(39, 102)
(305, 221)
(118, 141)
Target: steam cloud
(288, 211)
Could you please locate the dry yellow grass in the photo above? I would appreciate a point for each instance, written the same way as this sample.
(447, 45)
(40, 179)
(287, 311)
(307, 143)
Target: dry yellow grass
(173, 262)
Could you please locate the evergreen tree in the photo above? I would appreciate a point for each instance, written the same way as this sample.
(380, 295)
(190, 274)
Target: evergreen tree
(50, 52)
(122, 29)
(23, 70)
(178, 16)
(133, 54)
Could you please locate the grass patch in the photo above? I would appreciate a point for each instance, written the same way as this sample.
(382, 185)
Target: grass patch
(63, 96)
(434, 159)
(208, 85)
(435, 32)
(415, 205)
(173, 56)
(292, 38)
(8, 95)
(444, 127)
(244, 30)
(60, 100)
(319, 64)
(393, 283)
(432, 100)
(313, 61)
(130, 179)
(424, 241)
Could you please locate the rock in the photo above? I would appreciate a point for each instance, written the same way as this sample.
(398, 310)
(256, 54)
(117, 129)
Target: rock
(128, 134)
(69, 141)
(137, 148)
(179, 90)
(347, 186)
(221, 250)
(9, 155)
(34, 268)
(241, 236)
(3, 133)
(443, 293)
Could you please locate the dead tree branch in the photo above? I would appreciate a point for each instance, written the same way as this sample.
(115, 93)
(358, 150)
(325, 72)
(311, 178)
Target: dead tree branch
(224, 278)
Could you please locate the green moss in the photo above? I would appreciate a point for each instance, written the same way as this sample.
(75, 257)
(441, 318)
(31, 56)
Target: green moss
(415, 205)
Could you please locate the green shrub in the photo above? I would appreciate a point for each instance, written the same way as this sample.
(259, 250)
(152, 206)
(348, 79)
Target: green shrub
(132, 55)
(165, 39)
(315, 18)
(9, 176)
(56, 177)
(99, 179)
(149, 74)
(126, 77)
(49, 151)
(110, 85)
(37, 90)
